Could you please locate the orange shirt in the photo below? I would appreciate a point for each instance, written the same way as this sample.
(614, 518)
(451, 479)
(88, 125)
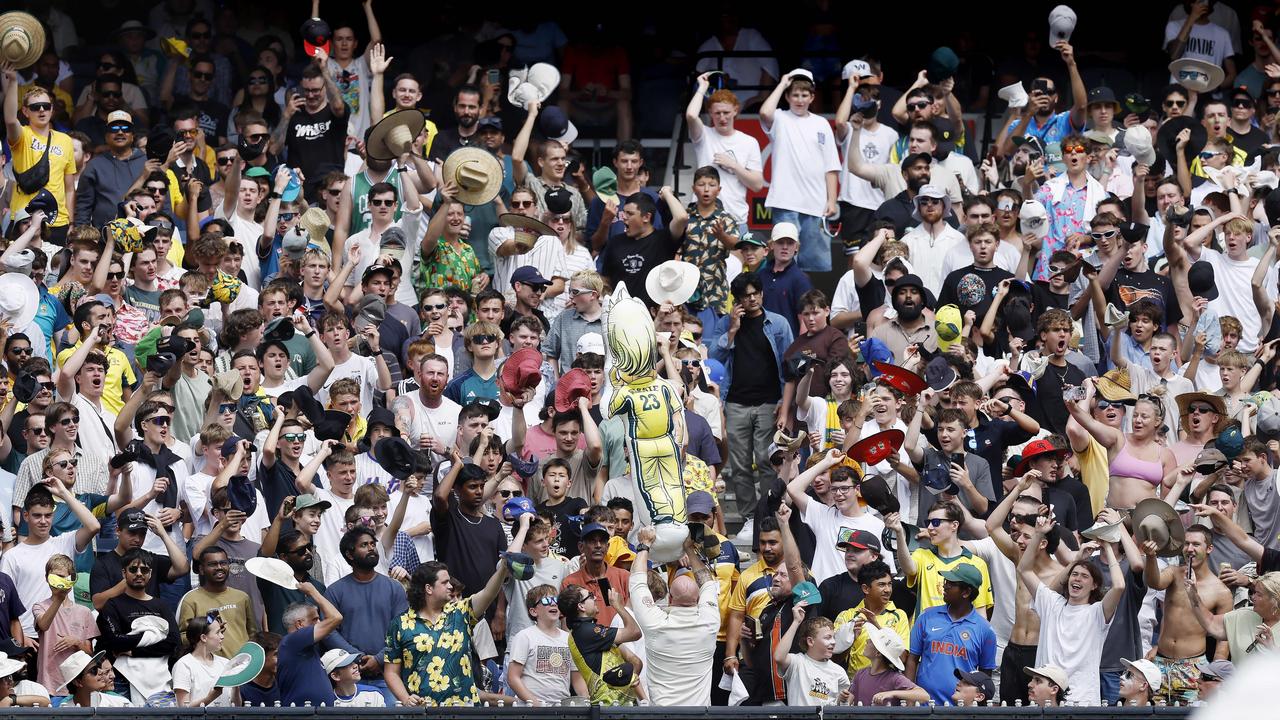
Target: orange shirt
(619, 582)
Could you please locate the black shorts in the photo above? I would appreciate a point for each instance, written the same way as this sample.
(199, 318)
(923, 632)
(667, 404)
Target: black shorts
(1013, 681)
(855, 226)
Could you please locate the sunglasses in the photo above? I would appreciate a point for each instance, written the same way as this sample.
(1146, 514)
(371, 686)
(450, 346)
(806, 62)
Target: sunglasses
(1068, 149)
(484, 339)
(522, 203)
(1242, 103)
(1175, 103)
(302, 550)
(1103, 403)
(333, 192)
(691, 363)
(257, 137)
(258, 80)
(159, 420)
(935, 522)
(382, 203)
(510, 493)
(918, 105)
(548, 600)
(115, 275)
(1106, 235)
(38, 431)
(110, 94)
(1028, 519)
(120, 129)
(154, 190)
(70, 420)
(226, 160)
(294, 437)
(40, 107)
(560, 220)
(575, 292)
(1200, 410)
(189, 133)
(226, 407)
(138, 570)
(21, 350)
(930, 201)
(440, 306)
(286, 216)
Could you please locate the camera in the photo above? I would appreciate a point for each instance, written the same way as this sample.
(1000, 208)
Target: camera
(161, 363)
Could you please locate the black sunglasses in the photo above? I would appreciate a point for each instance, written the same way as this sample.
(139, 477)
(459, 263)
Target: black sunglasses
(40, 107)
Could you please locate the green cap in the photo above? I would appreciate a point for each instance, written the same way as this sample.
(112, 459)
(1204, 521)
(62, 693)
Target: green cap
(257, 172)
(307, 500)
(606, 184)
(964, 573)
(751, 238)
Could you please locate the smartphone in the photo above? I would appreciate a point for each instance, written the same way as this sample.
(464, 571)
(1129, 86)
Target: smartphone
(604, 589)
(957, 459)
(493, 76)
(572, 168)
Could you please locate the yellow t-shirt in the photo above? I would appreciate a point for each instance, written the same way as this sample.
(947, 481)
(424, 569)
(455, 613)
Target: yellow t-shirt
(929, 569)
(62, 163)
(119, 374)
(892, 618)
(1095, 473)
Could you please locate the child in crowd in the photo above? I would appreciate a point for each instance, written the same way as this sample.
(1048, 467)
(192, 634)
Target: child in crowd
(811, 676)
(64, 626)
(541, 670)
(343, 669)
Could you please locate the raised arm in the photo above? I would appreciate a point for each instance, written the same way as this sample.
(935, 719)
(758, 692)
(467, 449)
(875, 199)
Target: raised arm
(995, 521)
(679, 215)
(1111, 600)
(1027, 563)
(330, 616)
(480, 601)
(693, 112)
(12, 127)
(1079, 94)
(902, 552)
(770, 104)
(304, 482)
(797, 487)
(520, 146)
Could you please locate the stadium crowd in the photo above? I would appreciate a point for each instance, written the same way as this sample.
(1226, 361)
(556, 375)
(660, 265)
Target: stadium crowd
(306, 395)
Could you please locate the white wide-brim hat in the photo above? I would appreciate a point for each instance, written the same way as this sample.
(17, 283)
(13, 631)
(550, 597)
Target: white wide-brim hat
(673, 281)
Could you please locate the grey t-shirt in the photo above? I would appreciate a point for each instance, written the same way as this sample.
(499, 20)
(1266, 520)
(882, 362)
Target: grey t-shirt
(1260, 499)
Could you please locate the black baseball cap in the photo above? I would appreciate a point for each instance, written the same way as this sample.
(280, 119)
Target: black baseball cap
(132, 519)
(980, 680)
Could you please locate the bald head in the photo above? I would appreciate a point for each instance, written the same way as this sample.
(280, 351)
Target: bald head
(684, 592)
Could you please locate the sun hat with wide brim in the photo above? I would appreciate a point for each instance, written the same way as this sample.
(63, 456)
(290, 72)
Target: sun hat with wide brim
(22, 39)
(527, 229)
(75, 664)
(19, 298)
(393, 136)
(1156, 520)
(888, 643)
(9, 666)
(1196, 75)
(1216, 401)
(674, 281)
(244, 667)
(1114, 386)
(273, 570)
(477, 173)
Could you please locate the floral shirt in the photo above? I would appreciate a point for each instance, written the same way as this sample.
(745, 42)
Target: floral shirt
(435, 659)
(1066, 218)
(452, 264)
(706, 251)
(131, 324)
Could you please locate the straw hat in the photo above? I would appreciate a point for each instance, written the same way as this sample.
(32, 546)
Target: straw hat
(527, 229)
(316, 223)
(21, 39)
(1219, 406)
(1114, 386)
(477, 173)
(393, 135)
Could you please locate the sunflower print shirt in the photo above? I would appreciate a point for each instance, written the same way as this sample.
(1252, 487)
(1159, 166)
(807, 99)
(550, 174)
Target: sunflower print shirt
(435, 659)
(702, 248)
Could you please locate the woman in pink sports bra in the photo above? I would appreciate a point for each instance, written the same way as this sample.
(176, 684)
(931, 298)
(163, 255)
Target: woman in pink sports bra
(1139, 464)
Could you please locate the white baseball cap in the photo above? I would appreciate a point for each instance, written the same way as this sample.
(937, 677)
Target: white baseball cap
(337, 658)
(590, 343)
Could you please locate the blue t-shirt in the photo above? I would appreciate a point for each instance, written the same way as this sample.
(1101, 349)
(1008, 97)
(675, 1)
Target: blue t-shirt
(1054, 129)
(469, 386)
(11, 607)
(257, 696)
(51, 315)
(301, 677)
(945, 645)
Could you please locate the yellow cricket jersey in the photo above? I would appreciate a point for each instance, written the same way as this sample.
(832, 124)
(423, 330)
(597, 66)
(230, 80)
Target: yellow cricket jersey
(929, 569)
(119, 374)
(891, 618)
(62, 163)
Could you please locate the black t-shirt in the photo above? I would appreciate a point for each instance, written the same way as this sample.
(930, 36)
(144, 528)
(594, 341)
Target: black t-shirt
(1250, 142)
(107, 571)
(1044, 298)
(871, 296)
(567, 527)
(115, 623)
(971, 287)
(448, 140)
(764, 687)
(511, 316)
(629, 260)
(755, 380)
(316, 142)
(1084, 502)
(469, 546)
(277, 483)
(211, 115)
(1129, 287)
(1048, 408)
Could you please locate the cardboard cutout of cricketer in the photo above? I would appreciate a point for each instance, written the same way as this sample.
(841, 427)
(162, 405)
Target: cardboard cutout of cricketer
(654, 417)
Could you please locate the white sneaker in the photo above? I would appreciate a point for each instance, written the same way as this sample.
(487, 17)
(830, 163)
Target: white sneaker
(744, 535)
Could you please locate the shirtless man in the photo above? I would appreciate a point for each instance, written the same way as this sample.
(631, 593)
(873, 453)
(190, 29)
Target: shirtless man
(1180, 648)
(1025, 637)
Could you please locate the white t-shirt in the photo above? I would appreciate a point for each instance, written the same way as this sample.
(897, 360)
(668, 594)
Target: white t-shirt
(547, 255)
(417, 512)
(547, 662)
(24, 564)
(743, 148)
(364, 370)
(142, 478)
(826, 521)
(441, 421)
(97, 426)
(549, 570)
(804, 151)
(1071, 637)
(875, 146)
(198, 679)
(811, 683)
(369, 251)
(330, 533)
(845, 298)
(1004, 586)
(929, 254)
(1234, 280)
(356, 96)
(361, 698)
(1206, 42)
(247, 234)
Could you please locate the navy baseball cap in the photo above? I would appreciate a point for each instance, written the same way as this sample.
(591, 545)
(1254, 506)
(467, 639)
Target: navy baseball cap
(592, 528)
(528, 275)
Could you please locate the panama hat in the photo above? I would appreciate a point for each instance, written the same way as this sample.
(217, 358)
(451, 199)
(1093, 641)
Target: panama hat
(21, 39)
(273, 570)
(244, 667)
(674, 281)
(527, 229)
(477, 173)
(18, 300)
(316, 224)
(393, 135)
(1196, 75)
(1156, 520)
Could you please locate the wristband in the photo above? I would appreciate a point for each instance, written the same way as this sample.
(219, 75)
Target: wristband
(309, 334)
(273, 195)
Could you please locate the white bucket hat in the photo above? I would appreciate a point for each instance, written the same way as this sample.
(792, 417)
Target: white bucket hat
(1015, 95)
(75, 664)
(673, 281)
(1137, 140)
(18, 300)
(273, 570)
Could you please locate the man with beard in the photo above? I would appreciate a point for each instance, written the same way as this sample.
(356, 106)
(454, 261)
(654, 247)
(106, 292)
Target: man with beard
(552, 162)
(763, 680)
(466, 111)
(1038, 117)
(752, 338)
(922, 138)
(368, 601)
(909, 326)
(314, 126)
(297, 550)
(239, 617)
(136, 654)
(427, 419)
(914, 174)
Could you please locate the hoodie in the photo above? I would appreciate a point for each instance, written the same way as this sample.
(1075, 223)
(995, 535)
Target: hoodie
(103, 186)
